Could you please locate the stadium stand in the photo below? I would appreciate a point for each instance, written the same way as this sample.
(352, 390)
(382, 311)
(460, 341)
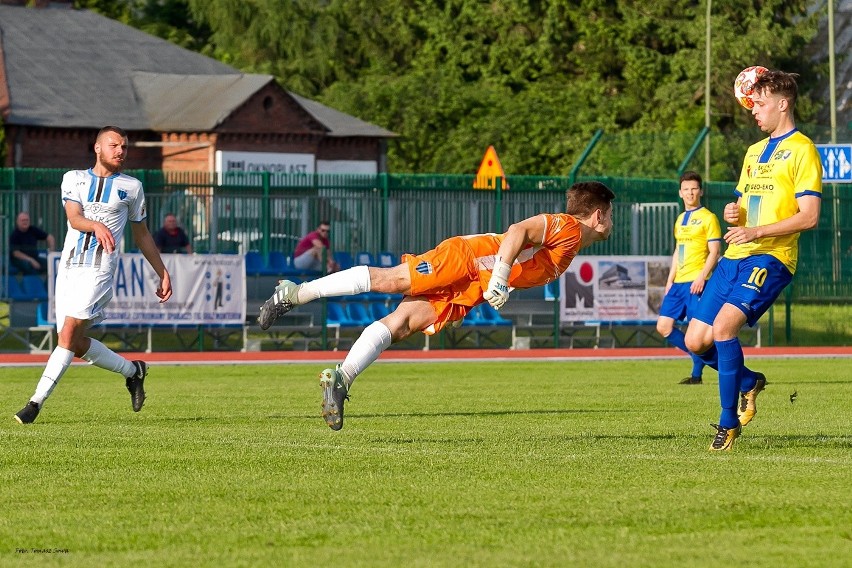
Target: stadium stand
(338, 315)
(388, 259)
(379, 310)
(358, 312)
(490, 316)
(365, 258)
(41, 314)
(279, 263)
(551, 291)
(254, 264)
(344, 259)
(15, 290)
(41, 336)
(34, 287)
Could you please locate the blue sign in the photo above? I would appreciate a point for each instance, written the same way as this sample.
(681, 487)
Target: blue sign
(836, 162)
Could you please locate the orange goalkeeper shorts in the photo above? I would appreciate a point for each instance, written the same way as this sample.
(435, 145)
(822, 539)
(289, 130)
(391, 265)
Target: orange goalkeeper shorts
(449, 278)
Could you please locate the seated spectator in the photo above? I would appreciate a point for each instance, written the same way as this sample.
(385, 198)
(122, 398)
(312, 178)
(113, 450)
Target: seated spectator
(24, 246)
(309, 251)
(172, 239)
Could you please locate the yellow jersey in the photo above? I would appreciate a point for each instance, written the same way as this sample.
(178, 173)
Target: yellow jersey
(692, 231)
(776, 171)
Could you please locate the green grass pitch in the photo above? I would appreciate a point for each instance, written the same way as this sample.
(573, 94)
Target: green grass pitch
(588, 463)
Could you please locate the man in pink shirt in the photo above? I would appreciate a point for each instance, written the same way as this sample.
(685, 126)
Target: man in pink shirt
(309, 251)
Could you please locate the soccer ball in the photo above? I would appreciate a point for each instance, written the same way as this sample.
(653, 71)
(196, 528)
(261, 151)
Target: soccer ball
(744, 85)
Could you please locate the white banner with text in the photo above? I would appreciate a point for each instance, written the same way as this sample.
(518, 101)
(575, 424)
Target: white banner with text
(206, 289)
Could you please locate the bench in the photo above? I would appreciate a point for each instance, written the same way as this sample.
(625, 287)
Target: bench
(140, 337)
(597, 333)
(643, 333)
(285, 338)
(570, 334)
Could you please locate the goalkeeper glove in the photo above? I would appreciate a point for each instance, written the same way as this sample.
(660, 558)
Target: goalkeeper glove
(498, 287)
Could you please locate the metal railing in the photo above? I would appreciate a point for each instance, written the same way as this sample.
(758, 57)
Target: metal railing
(412, 213)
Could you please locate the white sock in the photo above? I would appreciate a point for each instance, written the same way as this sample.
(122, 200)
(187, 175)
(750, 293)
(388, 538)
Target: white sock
(355, 280)
(366, 349)
(102, 356)
(57, 364)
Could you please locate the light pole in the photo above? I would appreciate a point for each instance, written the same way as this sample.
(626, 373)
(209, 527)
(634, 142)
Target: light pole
(832, 97)
(707, 93)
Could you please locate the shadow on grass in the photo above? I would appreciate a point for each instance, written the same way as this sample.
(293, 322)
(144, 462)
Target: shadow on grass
(549, 411)
(759, 443)
(234, 418)
(148, 420)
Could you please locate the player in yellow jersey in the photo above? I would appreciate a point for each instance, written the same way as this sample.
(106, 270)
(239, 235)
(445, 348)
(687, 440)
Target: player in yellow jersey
(698, 239)
(778, 196)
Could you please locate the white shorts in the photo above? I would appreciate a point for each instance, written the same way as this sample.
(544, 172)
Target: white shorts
(83, 294)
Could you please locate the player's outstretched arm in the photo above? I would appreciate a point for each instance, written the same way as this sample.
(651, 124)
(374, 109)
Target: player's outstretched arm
(528, 231)
(145, 242)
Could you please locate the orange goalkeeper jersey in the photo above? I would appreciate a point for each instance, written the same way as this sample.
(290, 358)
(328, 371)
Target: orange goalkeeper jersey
(453, 275)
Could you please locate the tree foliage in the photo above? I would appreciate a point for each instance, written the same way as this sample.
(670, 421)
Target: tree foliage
(534, 78)
(167, 19)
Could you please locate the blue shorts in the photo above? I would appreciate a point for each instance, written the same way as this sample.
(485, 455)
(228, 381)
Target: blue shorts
(679, 303)
(751, 284)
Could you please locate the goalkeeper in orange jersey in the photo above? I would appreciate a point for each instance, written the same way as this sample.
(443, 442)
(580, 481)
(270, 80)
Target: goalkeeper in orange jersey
(441, 286)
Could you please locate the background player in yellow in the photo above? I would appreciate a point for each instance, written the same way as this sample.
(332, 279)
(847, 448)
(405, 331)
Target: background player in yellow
(698, 239)
(778, 196)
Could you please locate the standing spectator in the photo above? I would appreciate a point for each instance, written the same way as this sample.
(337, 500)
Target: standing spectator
(171, 238)
(98, 203)
(309, 251)
(23, 246)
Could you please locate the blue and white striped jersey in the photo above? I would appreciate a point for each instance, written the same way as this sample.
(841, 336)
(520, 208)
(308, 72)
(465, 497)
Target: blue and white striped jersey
(110, 200)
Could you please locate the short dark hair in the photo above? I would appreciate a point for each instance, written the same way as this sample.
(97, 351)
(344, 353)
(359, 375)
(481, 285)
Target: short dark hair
(325, 222)
(116, 129)
(692, 176)
(586, 197)
(779, 83)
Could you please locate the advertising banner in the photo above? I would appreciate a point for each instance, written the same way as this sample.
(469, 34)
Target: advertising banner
(245, 168)
(613, 288)
(207, 289)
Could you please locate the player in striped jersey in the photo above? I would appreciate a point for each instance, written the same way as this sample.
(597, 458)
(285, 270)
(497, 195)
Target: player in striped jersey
(778, 196)
(442, 285)
(98, 203)
(698, 239)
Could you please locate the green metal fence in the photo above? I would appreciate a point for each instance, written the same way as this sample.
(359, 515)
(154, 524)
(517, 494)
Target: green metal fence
(412, 213)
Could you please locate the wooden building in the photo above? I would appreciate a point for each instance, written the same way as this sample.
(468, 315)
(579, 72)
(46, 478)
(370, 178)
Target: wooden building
(65, 73)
